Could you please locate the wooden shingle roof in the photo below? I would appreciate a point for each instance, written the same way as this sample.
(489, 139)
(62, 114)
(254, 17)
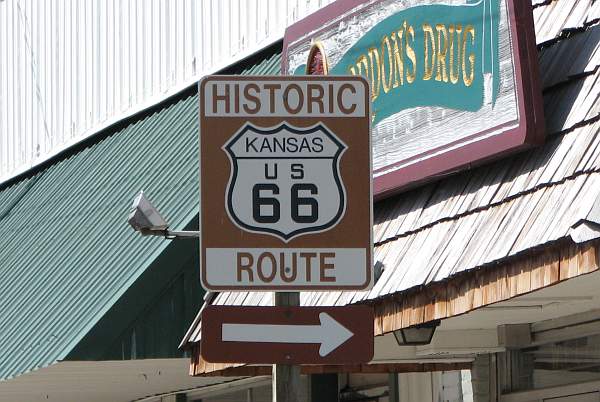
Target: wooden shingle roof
(495, 213)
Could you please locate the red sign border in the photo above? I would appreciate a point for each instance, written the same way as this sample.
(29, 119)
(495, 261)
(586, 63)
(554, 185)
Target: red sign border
(448, 158)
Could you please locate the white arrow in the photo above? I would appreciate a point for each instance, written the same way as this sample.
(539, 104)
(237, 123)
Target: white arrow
(330, 333)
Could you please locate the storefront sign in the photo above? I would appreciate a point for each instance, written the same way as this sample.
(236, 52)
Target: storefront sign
(287, 335)
(452, 82)
(285, 171)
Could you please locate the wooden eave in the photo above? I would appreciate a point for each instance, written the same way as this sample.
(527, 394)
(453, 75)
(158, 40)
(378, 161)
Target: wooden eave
(461, 294)
(493, 232)
(201, 368)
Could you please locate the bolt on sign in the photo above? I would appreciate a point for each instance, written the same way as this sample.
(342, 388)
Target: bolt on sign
(285, 183)
(452, 82)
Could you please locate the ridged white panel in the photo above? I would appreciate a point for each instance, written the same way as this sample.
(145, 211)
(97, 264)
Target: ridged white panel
(68, 68)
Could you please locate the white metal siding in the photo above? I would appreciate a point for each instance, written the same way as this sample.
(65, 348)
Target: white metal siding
(70, 67)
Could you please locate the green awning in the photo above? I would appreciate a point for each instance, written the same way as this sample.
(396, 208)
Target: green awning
(67, 253)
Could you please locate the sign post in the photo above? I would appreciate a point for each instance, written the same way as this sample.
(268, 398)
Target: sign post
(286, 195)
(286, 377)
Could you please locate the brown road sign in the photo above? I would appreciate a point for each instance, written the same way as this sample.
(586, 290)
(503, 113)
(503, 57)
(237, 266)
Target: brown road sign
(287, 335)
(285, 183)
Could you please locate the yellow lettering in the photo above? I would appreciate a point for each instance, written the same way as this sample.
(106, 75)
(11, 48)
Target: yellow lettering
(441, 54)
(387, 82)
(429, 38)
(468, 80)
(360, 62)
(410, 32)
(398, 59)
(446, 54)
(375, 71)
(454, 69)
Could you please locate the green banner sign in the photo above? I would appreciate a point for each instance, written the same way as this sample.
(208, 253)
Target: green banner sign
(430, 55)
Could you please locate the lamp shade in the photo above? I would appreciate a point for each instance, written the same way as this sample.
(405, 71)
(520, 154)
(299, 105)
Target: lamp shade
(417, 335)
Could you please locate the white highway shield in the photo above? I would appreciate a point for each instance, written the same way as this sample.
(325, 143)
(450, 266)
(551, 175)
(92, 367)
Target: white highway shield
(285, 180)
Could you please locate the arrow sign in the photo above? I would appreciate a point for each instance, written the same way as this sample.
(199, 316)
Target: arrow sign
(329, 334)
(292, 335)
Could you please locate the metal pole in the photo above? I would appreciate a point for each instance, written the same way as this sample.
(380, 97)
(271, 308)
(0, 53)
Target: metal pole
(286, 377)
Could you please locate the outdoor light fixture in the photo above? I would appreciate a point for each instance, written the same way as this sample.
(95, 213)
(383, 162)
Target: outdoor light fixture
(146, 219)
(417, 335)
(377, 270)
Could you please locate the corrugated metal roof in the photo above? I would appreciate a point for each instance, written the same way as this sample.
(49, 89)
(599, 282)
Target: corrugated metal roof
(71, 68)
(485, 215)
(67, 252)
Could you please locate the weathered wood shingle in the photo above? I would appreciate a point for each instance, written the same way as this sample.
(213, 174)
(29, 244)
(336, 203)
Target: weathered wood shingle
(494, 212)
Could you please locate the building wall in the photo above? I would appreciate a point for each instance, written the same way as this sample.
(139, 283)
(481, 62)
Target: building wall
(441, 386)
(69, 68)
